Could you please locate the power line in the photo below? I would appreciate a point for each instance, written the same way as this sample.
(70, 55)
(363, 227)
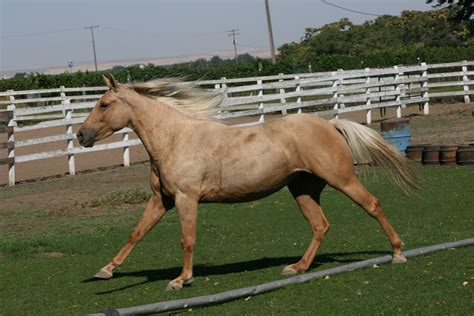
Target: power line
(234, 33)
(92, 27)
(347, 9)
(40, 33)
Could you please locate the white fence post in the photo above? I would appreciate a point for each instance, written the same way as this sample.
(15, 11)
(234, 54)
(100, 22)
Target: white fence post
(126, 149)
(67, 111)
(383, 110)
(367, 98)
(298, 89)
(224, 86)
(11, 140)
(282, 91)
(397, 91)
(403, 89)
(424, 86)
(261, 119)
(335, 94)
(465, 79)
(339, 84)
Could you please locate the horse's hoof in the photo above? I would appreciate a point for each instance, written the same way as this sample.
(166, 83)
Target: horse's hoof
(104, 274)
(174, 286)
(399, 259)
(289, 270)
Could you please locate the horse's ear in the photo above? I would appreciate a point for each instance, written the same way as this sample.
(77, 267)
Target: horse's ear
(110, 82)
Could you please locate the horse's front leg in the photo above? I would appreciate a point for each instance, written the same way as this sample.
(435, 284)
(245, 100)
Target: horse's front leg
(187, 211)
(154, 211)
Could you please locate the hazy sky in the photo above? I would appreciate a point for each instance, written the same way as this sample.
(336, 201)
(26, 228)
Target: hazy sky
(44, 33)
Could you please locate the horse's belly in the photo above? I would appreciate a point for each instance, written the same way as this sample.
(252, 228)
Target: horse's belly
(245, 186)
(236, 195)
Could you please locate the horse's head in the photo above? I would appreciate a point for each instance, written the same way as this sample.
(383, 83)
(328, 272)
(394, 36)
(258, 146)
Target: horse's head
(110, 114)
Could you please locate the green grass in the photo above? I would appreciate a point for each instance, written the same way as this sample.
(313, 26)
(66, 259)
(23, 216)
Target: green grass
(241, 245)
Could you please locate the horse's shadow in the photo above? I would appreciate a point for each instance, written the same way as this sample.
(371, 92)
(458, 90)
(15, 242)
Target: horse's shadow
(252, 265)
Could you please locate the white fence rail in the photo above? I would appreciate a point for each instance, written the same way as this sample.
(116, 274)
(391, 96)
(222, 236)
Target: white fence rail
(325, 93)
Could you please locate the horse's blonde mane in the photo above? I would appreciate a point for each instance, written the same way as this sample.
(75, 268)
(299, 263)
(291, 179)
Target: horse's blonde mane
(185, 97)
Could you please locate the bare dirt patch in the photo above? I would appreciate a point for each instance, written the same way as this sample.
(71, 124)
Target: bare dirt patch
(32, 206)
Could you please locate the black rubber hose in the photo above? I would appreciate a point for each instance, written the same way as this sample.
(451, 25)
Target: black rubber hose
(270, 286)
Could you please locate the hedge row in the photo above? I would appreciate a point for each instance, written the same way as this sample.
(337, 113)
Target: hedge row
(247, 67)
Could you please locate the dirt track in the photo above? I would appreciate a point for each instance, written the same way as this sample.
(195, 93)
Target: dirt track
(446, 124)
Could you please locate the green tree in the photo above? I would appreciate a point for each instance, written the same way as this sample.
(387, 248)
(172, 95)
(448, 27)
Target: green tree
(463, 8)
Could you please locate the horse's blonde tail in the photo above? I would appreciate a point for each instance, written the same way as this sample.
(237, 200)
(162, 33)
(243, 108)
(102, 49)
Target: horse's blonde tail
(367, 146)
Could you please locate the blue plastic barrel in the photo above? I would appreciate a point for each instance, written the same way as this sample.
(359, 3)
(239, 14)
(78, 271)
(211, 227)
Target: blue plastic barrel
(397, 132)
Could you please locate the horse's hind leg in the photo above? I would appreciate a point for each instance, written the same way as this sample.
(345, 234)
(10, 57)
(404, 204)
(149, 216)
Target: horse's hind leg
(306, 189)
(359, 194)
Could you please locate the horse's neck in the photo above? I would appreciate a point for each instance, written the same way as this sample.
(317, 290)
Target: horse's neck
(156, 125)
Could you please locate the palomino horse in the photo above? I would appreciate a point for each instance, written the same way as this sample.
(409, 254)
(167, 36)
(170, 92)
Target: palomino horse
(197, 159)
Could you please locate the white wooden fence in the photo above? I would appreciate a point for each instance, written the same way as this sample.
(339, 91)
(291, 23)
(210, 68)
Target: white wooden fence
(324, 93)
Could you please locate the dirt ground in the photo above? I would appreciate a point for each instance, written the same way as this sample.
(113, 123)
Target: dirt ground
(446, 124)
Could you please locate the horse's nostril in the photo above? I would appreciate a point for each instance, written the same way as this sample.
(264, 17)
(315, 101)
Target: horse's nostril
(79, 135)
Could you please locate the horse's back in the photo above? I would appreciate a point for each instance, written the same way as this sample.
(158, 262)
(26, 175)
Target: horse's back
(317, 146)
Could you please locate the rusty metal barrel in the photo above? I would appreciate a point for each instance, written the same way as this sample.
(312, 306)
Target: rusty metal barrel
(465, 155)
(414, 152)
(397, 132)
(430, 155)
(447, 154)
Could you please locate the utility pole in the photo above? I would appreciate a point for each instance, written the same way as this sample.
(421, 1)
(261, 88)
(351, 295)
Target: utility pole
(270, 32)
(92, 27)
(234, 33)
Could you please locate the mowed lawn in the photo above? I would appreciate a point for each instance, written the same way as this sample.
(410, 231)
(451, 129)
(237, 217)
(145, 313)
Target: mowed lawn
(49, 254)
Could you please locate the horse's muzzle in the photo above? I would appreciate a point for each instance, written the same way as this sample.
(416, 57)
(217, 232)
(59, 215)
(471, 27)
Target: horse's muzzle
(86, 136)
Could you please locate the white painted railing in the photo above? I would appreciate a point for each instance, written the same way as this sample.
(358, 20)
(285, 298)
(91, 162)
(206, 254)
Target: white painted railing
(324, 93)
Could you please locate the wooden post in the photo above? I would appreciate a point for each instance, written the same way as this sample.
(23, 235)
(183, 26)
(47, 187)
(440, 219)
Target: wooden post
(402, 90)
(11, 140)
(261, 119)
(282, 91)
(424, 76)
(367, 97)
(224, 86)
(465, 79)
(340, 83)
(335, 94)
(298, 89)
(126, 149)
(397, 91)
(5, 119)
(67, 112)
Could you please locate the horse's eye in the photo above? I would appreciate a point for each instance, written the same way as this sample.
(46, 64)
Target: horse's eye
(104, 105)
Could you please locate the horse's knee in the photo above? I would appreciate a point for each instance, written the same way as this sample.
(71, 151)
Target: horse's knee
(188, 243)
(136, 236)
